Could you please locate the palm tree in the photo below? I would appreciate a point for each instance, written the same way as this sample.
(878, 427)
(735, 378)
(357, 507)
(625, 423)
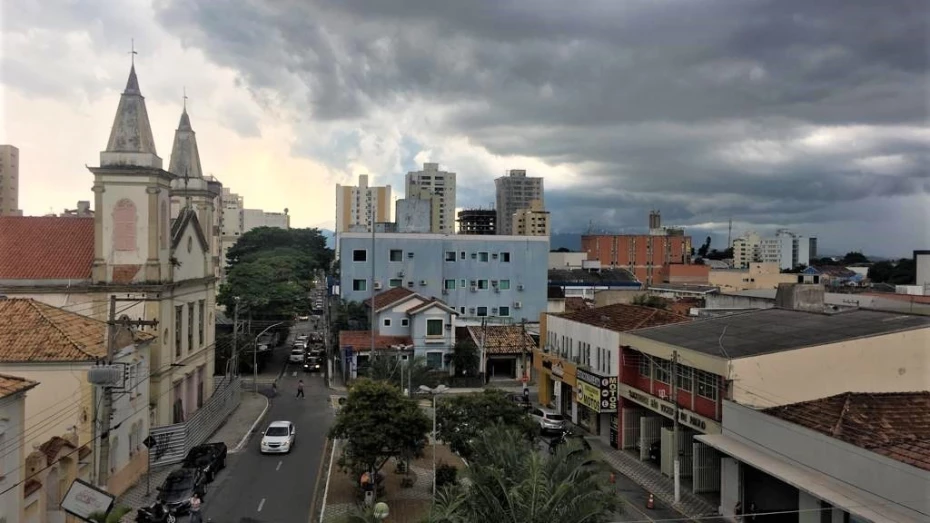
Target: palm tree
(391, 369)
(512, 482)
(111, 517)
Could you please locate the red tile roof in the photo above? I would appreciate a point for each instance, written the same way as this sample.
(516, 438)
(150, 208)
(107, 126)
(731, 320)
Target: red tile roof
(360, 341)
(31, 487)
(429, 303)
(46, 248)
(621, 317)
(10, 385)
(53, 447)
(893, 424)
(502, 339)
(575, 304)
(390, 296)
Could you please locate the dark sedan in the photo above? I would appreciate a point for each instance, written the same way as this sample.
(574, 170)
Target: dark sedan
(179, 487)
(210, 458)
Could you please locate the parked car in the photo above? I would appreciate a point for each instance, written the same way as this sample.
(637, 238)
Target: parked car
(278, 438)
(548, 419)
(210, 458)
(297, 355)
(303, 317)
(520, 401)
(312, 364)
(179, 487)
(301, 337)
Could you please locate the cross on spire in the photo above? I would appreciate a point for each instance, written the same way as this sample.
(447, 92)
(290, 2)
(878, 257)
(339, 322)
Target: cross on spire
(132, 52)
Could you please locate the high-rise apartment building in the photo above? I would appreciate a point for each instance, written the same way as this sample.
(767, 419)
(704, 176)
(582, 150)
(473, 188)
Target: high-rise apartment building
(787, 249)
(9, 181)
(532, 221)
(354, 204)
(515, 192)
(478, 221)
(438, 185)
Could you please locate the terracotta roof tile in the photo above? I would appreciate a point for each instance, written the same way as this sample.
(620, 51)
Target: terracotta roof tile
(502, 339)
(52, 448)
(360, 341)
(10, 385)
(83, 452)
(575, 304)
(390, 296)
(429, 303)
(46, 248)
(31, 487)
(621, 317)
(34, 331)
(894, 424)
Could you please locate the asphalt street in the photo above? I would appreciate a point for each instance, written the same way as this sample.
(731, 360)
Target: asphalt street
(277, 488)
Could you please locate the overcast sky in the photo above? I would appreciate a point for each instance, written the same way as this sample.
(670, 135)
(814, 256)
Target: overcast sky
(805, 114)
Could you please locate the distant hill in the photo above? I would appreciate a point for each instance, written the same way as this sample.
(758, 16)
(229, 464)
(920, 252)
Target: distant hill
(568, 240)
(330, 238)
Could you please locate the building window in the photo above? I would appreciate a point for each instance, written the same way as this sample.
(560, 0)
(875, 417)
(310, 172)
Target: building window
(462, 255)
(359, 285)
(644, 369)
(449, 285)
(386, 322)
(685, 378)
(482, 256)
(483, 284)
(450, 256)
(463, 284)
(190, 326)
(200, 386)
(396, 255)
(124, 225)
(201, 310)
(504, 312)
(409, 284)
(505, 257)
(663, 371)
(707, 385)
(410, 255)
(395, 282)
(405, 322)
(434, 360)
(482, 311)
(359, 255)
(505, 285)
(434, 327)
(178, 329)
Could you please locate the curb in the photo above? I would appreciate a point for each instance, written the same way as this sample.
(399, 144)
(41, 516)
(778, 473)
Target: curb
(258, 420)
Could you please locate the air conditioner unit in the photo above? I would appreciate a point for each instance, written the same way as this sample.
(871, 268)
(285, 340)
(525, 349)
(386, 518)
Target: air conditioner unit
(517, 304)
(474, 288)
(520, 287)
(377, 285)
(400, 274)
(445, 291)
(423, 283)
(497, 290)
(471, 310)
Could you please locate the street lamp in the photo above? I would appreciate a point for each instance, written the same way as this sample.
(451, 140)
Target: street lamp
(255, 355)
(435, 392)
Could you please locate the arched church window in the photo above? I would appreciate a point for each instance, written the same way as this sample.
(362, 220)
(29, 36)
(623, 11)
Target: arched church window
(124, 225)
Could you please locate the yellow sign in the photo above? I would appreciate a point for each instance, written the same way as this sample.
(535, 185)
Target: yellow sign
(589, 396)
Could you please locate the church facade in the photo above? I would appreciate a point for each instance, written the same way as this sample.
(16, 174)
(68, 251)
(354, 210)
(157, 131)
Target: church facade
(158, 260)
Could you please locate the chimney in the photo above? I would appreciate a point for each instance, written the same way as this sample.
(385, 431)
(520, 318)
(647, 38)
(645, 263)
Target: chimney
(806, 297)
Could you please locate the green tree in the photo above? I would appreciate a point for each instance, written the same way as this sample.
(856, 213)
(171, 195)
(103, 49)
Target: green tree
(466, 359)
(646, 300)
(900, 272)
(702, 251)
(461, 418)
(510, 481)
(414, 372)
(350, 315)
(113, 516)
(378, 423)
(854, 257)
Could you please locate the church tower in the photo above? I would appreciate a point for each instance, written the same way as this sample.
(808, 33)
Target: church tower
(190, 192)
(132, 226)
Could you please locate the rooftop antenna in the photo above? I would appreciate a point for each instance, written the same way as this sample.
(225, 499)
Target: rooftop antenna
(132, 51)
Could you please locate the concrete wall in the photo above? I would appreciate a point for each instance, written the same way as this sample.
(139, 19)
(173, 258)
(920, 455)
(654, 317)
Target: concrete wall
(424, 260)
(889, 363)
(923, 267)
(424, 345)
(610, 297)
(567, 334)
(756, 276)
(414, 215)
(734, 301)
(567, 260)
(13, 410)
(886, 478)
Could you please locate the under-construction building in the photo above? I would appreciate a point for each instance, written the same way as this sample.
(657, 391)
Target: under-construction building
(477, 221)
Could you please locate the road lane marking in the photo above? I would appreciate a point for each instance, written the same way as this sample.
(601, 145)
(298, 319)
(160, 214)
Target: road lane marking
(261, 504)
(279, 466)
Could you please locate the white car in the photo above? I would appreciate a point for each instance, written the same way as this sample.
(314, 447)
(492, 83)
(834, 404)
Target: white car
(297, 355)
(549, 420)
(278, 438)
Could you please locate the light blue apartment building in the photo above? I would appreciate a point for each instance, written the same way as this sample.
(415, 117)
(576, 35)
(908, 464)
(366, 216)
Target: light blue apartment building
(502, 278)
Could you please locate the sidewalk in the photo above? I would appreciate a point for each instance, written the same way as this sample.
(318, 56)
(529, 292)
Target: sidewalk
(233, 432)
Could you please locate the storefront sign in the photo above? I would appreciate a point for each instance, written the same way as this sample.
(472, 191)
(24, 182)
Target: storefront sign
(667, 408)
(599, 392)
(557, 369)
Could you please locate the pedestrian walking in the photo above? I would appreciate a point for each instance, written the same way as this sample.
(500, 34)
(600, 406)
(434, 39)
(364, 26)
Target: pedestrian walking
(751, 516)
(738, 511)
(300, 388)
(196, 516)
(274, 389)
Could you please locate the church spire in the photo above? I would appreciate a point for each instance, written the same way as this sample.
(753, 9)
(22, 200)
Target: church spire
(131, 141)
(185, 156)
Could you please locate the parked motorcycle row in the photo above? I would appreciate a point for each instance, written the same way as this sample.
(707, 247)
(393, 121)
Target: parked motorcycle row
(199, 468)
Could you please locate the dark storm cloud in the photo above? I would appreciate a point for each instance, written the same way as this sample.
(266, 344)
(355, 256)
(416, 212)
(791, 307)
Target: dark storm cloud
(704, 108)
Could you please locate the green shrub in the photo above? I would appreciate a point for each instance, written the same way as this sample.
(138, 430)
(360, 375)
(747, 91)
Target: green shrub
(446, 475)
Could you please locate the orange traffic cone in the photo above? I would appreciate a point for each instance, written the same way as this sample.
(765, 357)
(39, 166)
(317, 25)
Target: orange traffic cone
(651, 502)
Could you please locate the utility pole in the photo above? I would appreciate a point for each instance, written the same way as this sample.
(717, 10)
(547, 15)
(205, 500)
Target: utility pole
(676, 447)
(371, 357)
(235, 341)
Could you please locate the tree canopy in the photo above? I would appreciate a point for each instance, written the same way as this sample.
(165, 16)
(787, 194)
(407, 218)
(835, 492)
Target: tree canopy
(271, 270)
(378, 423)
(460, 419)
(901, 272)
(509, 480)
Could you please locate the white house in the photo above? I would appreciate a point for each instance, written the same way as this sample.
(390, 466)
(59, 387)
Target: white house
(12, 424)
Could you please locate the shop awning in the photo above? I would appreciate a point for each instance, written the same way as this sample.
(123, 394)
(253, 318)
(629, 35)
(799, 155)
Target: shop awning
(839, 494)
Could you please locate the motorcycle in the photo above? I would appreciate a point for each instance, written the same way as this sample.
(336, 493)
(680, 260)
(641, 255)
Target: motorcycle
(156, 513)
(563, 438)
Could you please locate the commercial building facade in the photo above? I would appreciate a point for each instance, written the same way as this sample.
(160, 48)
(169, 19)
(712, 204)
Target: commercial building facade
(514, 192)
(643, 255)
(437, 186)
(755, 275)
(502, 277)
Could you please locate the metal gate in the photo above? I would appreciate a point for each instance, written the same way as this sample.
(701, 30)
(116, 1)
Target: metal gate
(685, 452)
(630, 438)
(649, 432)
(706, 468)
(172, 442)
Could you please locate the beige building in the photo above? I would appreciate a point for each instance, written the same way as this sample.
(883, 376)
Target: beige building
(440, 187)
(532, 221)
(514, 192)
(13, 391)
(754, 276)
(9, 181)
(354, 204)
